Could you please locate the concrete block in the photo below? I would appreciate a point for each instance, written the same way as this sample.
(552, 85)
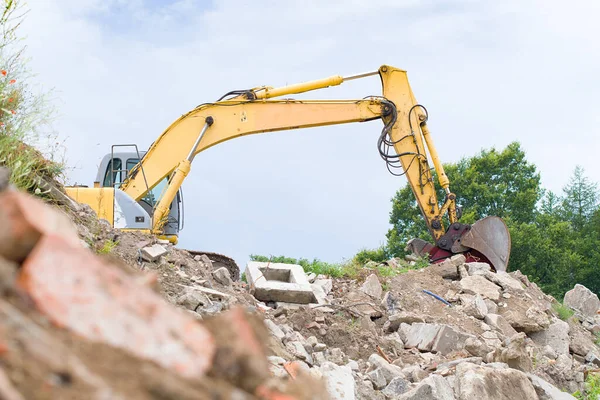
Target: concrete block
(279, 282)
(153, 253)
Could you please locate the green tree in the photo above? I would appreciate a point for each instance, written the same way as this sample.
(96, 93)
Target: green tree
(501, 183)
(581, 198)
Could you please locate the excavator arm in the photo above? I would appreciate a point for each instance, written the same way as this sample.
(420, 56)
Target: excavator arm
(404, 143)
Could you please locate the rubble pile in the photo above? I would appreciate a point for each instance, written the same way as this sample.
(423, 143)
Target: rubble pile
(90, 312)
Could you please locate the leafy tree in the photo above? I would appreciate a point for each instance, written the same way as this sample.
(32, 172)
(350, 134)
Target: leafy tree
(502, 183)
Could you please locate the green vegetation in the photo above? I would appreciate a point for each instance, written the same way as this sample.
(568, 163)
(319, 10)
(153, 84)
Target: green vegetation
(592, 388)
(564, 312)
(348, 269)
(555, 237)
(24, 113)
(107, 247)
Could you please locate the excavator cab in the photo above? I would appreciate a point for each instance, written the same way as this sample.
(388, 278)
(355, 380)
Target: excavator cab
(114, 169)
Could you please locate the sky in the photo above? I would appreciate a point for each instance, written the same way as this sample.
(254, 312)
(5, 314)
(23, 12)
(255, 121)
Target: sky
(489, 73)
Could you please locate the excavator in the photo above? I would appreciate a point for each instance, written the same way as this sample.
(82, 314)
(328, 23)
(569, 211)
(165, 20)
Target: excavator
(142, 190)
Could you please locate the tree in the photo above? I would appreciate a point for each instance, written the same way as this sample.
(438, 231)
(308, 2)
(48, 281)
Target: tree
(581, 198)
(503, 184)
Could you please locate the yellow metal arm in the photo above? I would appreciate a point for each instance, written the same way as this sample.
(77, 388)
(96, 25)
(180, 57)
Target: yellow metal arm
(232, 119)
(257, 111)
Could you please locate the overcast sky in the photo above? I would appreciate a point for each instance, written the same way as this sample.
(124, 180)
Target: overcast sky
(489, 72)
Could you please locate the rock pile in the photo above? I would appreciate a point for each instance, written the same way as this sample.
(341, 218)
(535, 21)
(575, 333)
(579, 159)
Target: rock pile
(88, 311)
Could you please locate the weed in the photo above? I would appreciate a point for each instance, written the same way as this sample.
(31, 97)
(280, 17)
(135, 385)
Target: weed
(597, 338)
(244, 279)
(107, 247)
(592, 388)
(564, 312)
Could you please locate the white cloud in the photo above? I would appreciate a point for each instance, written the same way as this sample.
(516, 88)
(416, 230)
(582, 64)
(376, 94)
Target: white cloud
(489, 73)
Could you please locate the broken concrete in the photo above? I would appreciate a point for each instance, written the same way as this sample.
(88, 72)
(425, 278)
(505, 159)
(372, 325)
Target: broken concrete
(372, 287)
(279, 282)
(436, 338)
(153, 253)
(479, 285)
(582, 300)
(222, 276)
(556, 336)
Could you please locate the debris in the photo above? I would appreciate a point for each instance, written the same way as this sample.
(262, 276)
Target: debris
(582, 300)
(556, 336)
(279, 282)
(433, 387)
(372, 287)
(396, 387)
(500, 324)
(153, 253)
(482, 382)
(339, 381)
(222, 276)
(478, 268)
(479, 285)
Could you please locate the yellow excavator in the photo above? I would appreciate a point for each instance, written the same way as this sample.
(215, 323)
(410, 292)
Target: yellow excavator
(141, 190)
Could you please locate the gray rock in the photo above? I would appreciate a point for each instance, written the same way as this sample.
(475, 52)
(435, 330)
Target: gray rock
(414, 373)
(533, 320)
(336, 356)
(556, 336)
(353, 365)
(582, 300)
(311, 277)
(476, 307)
(396, 387)
(492, 339)
(504, 280)
(477, 347)
(339, 381)
(454, 363)
(546, 391)
(276, 360)
(478, 268)
(516, 354)
(312, 341)
(274, 329)
(580, 343)
(222, 276)
(481, 382)
(402, 317)
(389, 303)
(491, 306)
(479, 285)
(320, 347)
(549, 352)
(191, 299)
(297, 350)
(395, 341)
(433, 387)
(378, 378)
(498, 323)
(318, 358)
(153, 253)
(389, 371)
(210, 309)
(326, 285)
(592, 358)
(372, 287)
(434, 337)
(446, 269)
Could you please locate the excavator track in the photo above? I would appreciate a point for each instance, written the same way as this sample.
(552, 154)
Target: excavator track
(220, 260)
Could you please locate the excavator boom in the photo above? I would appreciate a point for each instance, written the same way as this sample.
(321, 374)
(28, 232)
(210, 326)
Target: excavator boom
(404, 143)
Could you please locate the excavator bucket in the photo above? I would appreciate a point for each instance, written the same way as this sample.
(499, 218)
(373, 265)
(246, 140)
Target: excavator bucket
(489, 237)
(487, 240)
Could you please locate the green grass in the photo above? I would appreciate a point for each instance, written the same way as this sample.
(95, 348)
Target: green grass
(564, 312)
(107, 247)
(26, 164)
(349, 269)
(592, 388)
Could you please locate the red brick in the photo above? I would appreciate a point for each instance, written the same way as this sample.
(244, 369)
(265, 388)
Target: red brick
(81, 292)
